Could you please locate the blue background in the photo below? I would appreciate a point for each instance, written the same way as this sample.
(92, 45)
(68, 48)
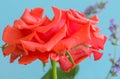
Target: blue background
(89, 69)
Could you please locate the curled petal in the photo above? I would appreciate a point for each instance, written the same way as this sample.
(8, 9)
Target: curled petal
(75, 39)
(80, 53)
(47, 46)
(73, 18)
(94, 28)
(37, 12)
(65, 64)
(32, 56)
(13, 57)
(54, 40)
(94, 19)
(57, 22)
(26, 17)
(79, 17)
(44, 56)
(27, 59)
(44, 21)
(76, 13)
(73, 27)
(97, 55)
(37, 39)
(27, 37)
(11, 34)
(15, 52)
(20, 24)
(54, 56)
(98, 42)
(99, 36)
(9, 49)
(31, 46)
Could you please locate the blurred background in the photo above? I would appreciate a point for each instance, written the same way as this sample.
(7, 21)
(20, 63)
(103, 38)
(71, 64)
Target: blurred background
(89, 69)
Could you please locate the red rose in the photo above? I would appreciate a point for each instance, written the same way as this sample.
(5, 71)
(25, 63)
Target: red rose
(35, 37)
(82, 39)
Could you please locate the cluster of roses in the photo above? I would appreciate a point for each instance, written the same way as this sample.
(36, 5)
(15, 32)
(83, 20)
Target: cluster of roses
(68, 38)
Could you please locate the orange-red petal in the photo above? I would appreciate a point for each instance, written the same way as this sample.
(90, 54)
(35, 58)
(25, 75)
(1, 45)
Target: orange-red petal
(9, 49)
(97, 55)
(27, 59)
(65, 64)
(37, 12)
(11, 35)
(57, 22)
(28, 18)
(81, 36)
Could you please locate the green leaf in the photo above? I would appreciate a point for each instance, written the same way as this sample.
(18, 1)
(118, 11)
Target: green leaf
(69, 57)
(48, 75)
(61, 74)
(69, 75)
(3, 46)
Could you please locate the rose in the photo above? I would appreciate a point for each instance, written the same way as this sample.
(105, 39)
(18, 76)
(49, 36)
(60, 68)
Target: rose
(31, 27)
(82, 39)
(68, 38)
(23, 29)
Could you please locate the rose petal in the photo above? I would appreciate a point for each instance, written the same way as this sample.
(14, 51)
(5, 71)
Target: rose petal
(94, 19)
(78, 17)
(37, 12)
(57, 22)
(9, 49)
(73, 27)
(28, 36)
(44, 56)
(30, 45)
(27, 59)
(54, 40)
(98, 42)
(79, 54)
(13, 57)
(76, 13)
(37, 39)
(54, 56)
(32, 56)
(65, 64)
(28, 18)
(73, 18)
(20, 24)
(44, 21)
(75, 39)
(11, 34)
(97, 55)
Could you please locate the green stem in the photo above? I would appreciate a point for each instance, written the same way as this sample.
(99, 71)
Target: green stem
(115, 51)
(108, 76)
(54, 70)
(114, 56)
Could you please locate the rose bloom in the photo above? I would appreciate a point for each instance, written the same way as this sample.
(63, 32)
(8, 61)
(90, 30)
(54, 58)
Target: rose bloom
(68, 38)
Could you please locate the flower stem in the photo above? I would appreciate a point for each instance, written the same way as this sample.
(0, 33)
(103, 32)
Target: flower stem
(115, 51)
(114, 56)
(108, 76)
(54, 70)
